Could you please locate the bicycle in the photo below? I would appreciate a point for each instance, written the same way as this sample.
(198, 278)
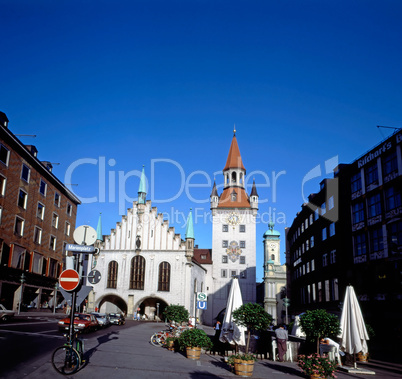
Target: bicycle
(159, 338)
(68, 358)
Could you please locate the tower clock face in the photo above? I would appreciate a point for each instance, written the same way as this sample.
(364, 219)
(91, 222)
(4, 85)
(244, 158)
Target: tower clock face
(233, 218)
(272, 246)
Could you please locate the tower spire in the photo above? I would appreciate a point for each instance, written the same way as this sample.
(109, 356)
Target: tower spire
(142, 191)
(190, 227)
(234, 158)
(99, 236)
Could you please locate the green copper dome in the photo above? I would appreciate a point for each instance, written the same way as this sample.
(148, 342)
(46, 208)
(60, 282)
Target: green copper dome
(271, 232)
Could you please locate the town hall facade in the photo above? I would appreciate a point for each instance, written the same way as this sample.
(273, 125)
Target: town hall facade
(146, 265)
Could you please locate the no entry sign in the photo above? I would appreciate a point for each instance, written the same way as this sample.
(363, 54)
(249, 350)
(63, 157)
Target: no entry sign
(69, 280)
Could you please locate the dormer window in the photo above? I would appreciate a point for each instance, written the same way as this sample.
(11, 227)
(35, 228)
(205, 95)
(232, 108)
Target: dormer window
(233, 195)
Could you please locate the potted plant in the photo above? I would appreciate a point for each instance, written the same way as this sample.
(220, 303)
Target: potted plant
(193, 340)
(318, 324)
(365, 357)
(176, 313)
(170, 343)
(315, 366)
(253, 317)
(243, 364)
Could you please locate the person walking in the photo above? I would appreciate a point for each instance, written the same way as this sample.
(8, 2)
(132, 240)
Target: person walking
(281, 340)
(217, 343)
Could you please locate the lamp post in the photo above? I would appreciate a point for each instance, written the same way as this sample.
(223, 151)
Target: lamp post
(157, 312)
(22, 280)
(55, 298)
(286, 303)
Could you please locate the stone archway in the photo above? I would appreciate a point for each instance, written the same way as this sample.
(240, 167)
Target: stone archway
(111, 303)
(150, 307)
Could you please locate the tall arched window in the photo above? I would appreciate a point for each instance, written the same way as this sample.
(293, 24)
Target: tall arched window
(164, 277)
(137, 273)
(112, 275)
(234, 180)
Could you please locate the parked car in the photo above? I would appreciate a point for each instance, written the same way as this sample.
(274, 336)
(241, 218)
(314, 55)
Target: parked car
(5, 314)
(117, 319)
(83, 322)
(103, 319)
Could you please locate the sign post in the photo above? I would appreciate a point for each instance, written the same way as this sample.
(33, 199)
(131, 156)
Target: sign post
(69, 280)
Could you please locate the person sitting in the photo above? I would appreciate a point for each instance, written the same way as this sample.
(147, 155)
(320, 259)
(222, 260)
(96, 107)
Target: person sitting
(327, 345)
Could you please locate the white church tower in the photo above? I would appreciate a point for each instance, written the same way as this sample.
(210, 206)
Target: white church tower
(233, 235)
(274, 276)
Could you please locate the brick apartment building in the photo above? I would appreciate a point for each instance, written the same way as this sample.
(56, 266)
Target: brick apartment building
(37, 219)
(350, 232)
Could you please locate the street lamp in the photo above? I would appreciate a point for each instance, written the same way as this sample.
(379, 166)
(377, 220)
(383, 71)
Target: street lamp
(22, 280)
(55, 298)
(286, 303)
(157, 312)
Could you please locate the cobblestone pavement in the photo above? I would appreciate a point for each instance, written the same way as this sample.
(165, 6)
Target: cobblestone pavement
(128, 353)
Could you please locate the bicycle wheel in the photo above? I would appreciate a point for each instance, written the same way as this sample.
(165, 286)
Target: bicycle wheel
(66, 360)
(158, 339)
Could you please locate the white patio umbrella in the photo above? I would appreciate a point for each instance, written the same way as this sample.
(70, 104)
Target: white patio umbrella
(354, 334)
(231, 332)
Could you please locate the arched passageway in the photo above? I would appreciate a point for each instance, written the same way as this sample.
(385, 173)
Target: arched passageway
(112, 304)
(151, 308)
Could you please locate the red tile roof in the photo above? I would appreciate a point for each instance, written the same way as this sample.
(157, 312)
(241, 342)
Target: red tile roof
(234, 157)
(203, 256)
(242, 199)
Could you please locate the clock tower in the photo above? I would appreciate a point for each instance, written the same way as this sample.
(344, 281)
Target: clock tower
(233, 235)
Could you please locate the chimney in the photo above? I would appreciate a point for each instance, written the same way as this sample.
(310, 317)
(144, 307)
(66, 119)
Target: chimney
(33, 150)
(3, 120)
(48, 165)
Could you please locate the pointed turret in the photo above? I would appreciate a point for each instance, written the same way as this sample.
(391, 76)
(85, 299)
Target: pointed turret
(234, 158)
(190, 228)
(99, 236)
(190, 237)
(214, 197)
(254, 197)
(234, 194)
(142, 190)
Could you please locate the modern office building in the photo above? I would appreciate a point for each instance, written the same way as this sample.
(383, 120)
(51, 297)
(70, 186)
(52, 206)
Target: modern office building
(350, 232)
(37, 218)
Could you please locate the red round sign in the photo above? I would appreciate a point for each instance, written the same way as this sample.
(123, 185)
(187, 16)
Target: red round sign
(69, 280)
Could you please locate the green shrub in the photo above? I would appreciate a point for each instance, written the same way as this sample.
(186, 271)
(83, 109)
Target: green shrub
(195, 338)
(319, 324)
(243, 357)
(253, 317)
(176, 313)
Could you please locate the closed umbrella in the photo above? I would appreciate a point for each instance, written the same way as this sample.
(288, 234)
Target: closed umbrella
(354, 334)
(231, 332)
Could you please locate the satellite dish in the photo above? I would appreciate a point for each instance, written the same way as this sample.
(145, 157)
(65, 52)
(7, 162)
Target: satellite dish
(85, 235)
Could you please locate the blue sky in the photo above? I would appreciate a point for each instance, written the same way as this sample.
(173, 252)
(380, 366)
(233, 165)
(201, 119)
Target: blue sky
(161, 84)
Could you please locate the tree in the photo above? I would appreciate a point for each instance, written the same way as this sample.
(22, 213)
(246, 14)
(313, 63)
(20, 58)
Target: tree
(318, 324)
(176, 313)
(253, 317)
